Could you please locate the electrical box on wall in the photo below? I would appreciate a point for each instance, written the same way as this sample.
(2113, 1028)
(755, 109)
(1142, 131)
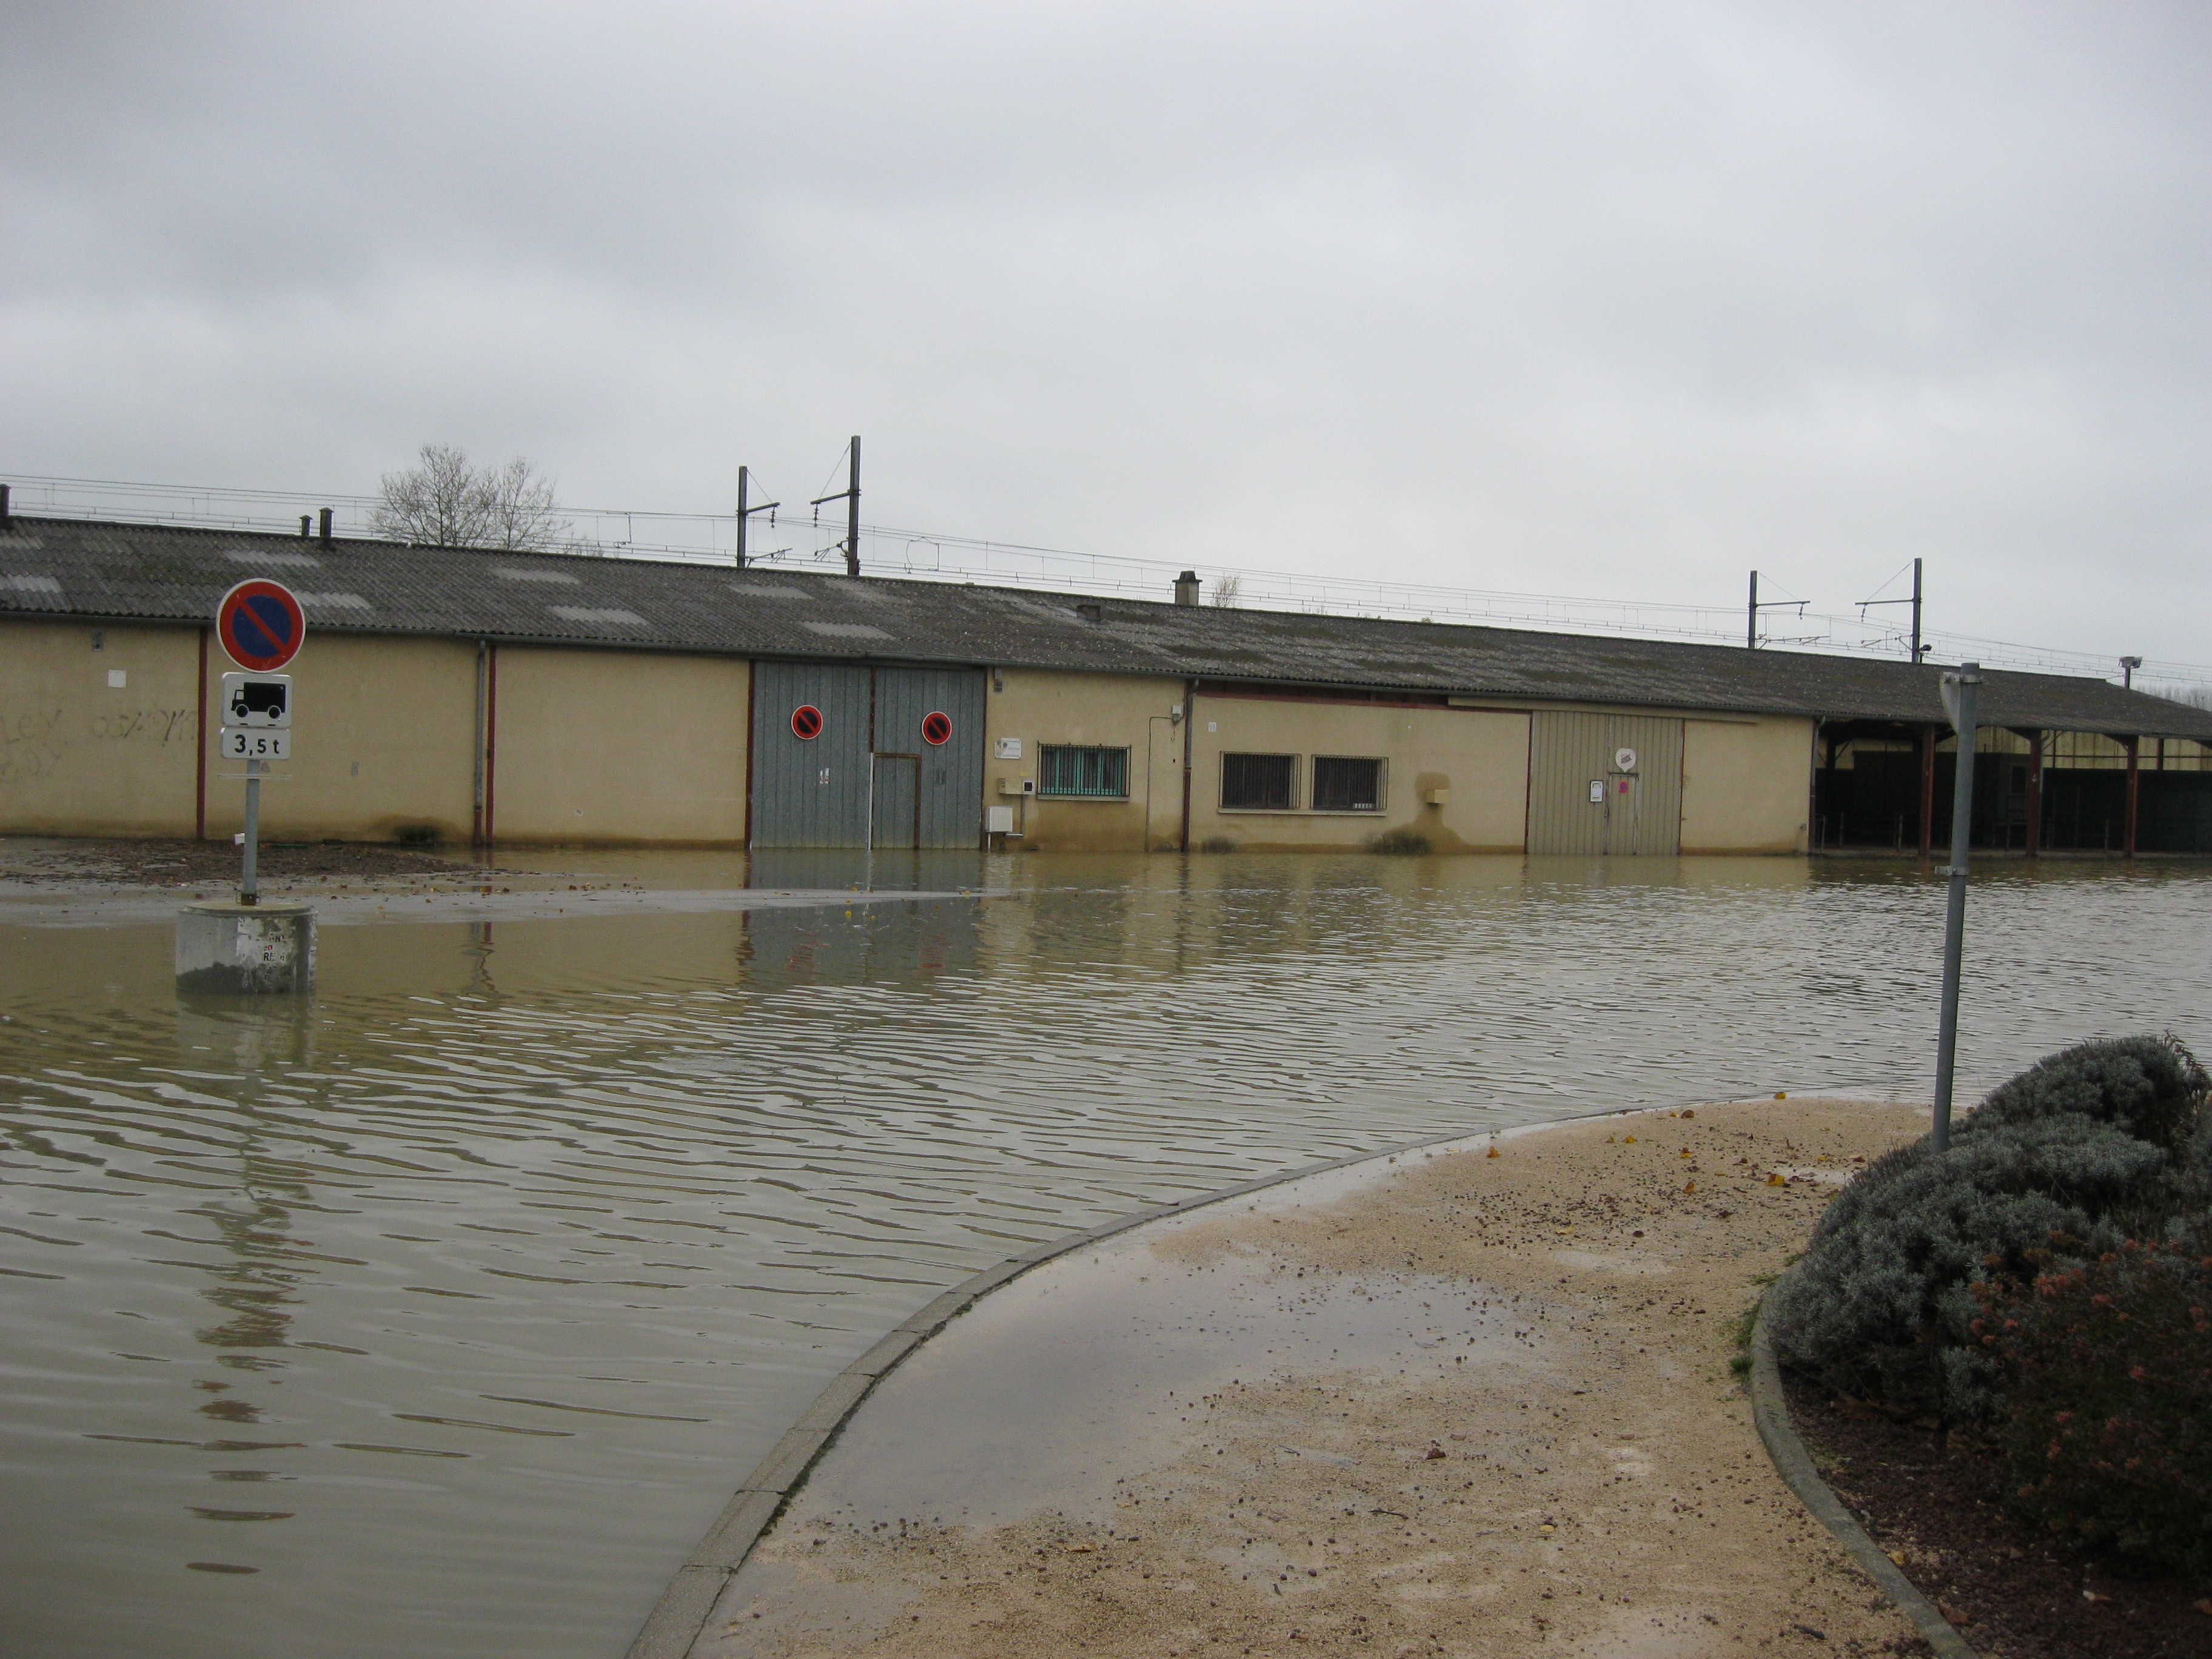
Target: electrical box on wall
(999, 820)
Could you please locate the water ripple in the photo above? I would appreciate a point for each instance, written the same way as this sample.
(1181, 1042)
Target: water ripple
(657, 1176)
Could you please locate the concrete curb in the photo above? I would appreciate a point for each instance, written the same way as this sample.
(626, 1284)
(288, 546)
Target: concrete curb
(1771, 1411)
(674, 1625)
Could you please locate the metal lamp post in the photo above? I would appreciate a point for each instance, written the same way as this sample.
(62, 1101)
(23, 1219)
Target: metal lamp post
(1961, 696)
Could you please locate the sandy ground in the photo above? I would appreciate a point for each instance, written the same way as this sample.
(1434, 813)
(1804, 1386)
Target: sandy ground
(1580, 1477)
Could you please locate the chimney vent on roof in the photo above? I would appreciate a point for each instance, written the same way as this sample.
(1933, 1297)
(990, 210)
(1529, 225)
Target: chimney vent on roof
(303, 526)
(326, 527)
(7, 518)
(1185, 588)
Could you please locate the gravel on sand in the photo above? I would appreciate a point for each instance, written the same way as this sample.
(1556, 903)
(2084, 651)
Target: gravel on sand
(1593, 1487)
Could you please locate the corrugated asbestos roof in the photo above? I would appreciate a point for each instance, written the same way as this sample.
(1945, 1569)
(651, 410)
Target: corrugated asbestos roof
(118, 571)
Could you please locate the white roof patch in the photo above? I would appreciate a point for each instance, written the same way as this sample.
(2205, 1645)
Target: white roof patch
(846, 630)
(577, 613)
(335, 601)
(561, 577)
(33, 584)
(259, 556)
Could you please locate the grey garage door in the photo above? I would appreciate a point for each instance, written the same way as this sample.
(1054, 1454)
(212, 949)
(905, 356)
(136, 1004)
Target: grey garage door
(948, 788)
(811, 792)
(871, 775)
(1582, 800)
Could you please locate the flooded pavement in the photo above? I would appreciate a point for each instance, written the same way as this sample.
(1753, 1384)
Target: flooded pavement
(1471, 1399)
(442, 1313)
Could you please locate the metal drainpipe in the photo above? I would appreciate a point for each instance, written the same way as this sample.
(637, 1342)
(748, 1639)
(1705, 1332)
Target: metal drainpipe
(476, 827)
(1189, 743)
(1813, 795)
(491, 747)
(199, 768)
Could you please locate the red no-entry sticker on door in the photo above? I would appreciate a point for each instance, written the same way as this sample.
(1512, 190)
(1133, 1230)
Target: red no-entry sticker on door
(936, 727)
(806, 721)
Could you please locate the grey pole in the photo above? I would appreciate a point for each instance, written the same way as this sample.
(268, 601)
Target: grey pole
(1961, 695)
(853, 514)
(1915, 611)
(744, 479)
(249, 889)
(1751, 622)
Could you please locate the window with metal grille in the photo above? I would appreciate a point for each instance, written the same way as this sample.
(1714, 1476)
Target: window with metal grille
(1344, 784)
(1266, 783)
(1094, 773)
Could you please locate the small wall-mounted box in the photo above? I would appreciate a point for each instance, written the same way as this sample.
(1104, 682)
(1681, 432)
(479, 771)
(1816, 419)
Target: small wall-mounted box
(1017, 786)
(999, 820)
(1436, 797)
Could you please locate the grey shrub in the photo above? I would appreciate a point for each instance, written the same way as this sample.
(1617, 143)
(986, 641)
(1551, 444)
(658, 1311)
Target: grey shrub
(2064, 1162)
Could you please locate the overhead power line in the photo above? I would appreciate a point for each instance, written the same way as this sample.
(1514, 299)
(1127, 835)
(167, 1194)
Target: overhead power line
(934, 555)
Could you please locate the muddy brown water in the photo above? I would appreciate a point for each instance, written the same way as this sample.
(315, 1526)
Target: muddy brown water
(441, 1315)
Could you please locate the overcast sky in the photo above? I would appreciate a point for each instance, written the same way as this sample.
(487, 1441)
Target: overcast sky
(1614, 299)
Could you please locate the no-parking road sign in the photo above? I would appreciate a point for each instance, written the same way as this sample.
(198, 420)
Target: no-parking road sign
(261, 625)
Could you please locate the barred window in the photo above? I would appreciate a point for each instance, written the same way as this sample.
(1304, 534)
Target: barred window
(1344, 784)
(1267, 783)
(1097, 774)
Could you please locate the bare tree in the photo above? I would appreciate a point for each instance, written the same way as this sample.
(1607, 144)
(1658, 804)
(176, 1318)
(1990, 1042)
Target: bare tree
(2197, 696)
(1227, 590)
(445, 502)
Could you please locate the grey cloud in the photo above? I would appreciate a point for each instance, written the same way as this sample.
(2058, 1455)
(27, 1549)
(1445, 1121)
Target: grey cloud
(1608, 298)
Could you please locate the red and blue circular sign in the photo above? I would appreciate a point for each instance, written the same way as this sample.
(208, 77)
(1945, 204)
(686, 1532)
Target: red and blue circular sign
(261, 625)
(805, 722)
(936, 727)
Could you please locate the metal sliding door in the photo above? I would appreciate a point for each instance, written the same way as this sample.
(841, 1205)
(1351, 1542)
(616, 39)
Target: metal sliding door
(934, 716)
(895, 757)
(1604, 785)
(810, 791)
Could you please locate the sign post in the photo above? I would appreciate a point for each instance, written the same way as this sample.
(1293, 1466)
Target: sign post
(1961, 696)
(261, 626)
(226, 947)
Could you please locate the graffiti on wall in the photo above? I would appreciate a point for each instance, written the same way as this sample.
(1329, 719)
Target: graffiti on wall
(38, 745)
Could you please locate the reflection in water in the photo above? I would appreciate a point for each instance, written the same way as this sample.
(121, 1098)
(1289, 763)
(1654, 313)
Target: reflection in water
(438, 1313)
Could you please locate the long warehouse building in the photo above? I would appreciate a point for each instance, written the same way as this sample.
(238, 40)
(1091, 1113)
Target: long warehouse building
(461, 695)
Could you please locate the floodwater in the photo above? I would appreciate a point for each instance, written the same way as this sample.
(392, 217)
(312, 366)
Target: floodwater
(441, 1315)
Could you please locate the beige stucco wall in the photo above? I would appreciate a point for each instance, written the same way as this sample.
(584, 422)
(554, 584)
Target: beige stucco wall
(613, 746)
(620, 746)
(1745, 785)
(1115, 711)
(383, 743)
(80, 757)
(1480, 757)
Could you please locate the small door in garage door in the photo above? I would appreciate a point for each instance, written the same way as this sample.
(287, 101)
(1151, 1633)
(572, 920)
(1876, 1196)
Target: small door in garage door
(812, 791)
(892, 816)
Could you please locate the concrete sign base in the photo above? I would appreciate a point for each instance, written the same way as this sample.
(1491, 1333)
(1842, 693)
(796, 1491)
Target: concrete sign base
(226, 948)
